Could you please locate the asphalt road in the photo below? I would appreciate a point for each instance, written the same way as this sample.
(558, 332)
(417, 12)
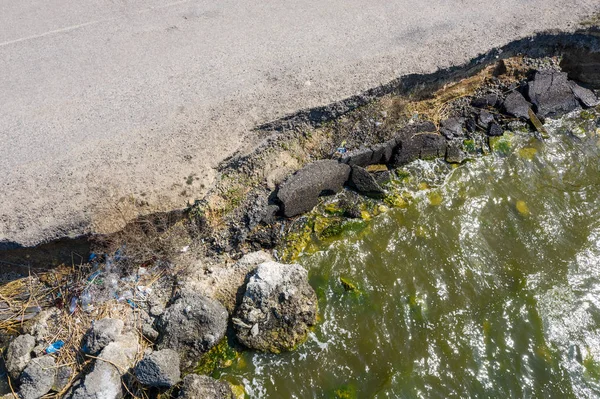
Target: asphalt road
(106, 105)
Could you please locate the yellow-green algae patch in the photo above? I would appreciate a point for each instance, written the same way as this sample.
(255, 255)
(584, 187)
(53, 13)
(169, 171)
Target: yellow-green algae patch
(220, 356)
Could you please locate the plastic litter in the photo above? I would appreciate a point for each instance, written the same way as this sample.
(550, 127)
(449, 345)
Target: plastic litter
(86, 301)
(131, 303)
(55, 347)
(94, 275)
(73, 305)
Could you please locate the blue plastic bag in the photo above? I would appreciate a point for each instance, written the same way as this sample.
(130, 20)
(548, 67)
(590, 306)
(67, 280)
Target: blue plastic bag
(55, 347)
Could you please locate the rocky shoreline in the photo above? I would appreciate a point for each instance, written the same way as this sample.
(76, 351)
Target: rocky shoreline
(140, 319)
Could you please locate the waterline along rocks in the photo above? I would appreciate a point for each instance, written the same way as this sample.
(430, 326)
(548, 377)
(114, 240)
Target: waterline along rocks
(549, 94)
(144, 325)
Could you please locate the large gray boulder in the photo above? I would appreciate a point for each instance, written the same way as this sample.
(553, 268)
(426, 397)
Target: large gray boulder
(301, 191)
(38, 378)
(550, 92)
(516, 105)
(191, 326)
(18, 354)
(203, 387)
(159, 369)
(102, 333)
(104, 381)
(277, 309)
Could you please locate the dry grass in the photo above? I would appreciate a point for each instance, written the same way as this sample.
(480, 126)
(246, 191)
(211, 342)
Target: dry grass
(23, 299)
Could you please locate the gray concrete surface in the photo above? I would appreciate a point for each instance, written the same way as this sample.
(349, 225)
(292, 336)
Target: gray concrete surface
(107, 107)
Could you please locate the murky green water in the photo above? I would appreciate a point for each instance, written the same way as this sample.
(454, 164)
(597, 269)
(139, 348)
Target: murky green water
(494, 292)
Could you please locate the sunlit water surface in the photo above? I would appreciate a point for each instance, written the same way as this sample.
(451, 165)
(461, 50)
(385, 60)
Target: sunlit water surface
(494, 292)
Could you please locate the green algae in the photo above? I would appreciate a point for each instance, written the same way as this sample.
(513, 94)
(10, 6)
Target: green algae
(502, 144)
(348, 286)
(435, 198)
(238, 391)
(592, 367)
(220, 356)
(528, 153)
(347, 391)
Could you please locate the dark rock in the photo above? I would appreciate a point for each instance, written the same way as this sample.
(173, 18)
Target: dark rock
(203, 387)
(277, 309)
(551, 93)
(265, 238)
(102, 333)
(516, 105)
(585, 96)
(364, 182)
(4, 387)
(583, 66)
(421, 145)
(495, 130)
(500, 69)
(390, 146)
(484, 119)
(104, 380)
(471, 125)
(148, 330)
(452, 127)
(350, 208)
(159, 369)
(62, 379)
(383, 176)
(301, 191)
(18, 354)
(360, 157)
(489, 100)
(454, 152)
(378, 154)
(38, 378)
(270, 214)
(192, 325)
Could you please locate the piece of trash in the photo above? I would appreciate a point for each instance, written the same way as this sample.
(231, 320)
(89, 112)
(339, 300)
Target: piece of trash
(86, 301)
(142, 271)
(131, 303)
(125, 296)
(73, 305)
(118, 254)
(143, 291)
(55, 347)
(185, 249)
(94, 275)
(92, 257)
